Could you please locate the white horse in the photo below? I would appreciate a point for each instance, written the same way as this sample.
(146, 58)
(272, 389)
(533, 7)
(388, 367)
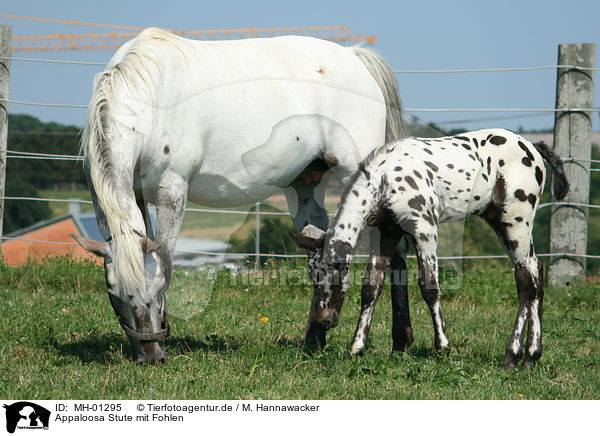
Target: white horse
(222, 123)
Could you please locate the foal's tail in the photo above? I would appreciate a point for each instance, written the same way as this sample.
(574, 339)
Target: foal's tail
(385, 78)
(114, 196)
(560, 184)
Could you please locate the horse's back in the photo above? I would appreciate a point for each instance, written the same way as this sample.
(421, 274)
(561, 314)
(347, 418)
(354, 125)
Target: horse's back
(254, 111)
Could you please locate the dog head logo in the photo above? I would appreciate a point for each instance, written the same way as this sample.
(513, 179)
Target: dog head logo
(26, 415)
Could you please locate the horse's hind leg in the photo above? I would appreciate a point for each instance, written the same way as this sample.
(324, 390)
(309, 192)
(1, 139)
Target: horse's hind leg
(429, 284)
(305, 202)
(533, 346)
(142, 204)
(516, 238)
(513, 227)
(402, 335)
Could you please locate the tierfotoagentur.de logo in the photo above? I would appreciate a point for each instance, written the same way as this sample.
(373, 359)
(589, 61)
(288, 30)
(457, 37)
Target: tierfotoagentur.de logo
(26, 415)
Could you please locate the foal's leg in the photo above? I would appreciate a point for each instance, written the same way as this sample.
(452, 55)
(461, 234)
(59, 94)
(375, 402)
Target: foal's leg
(533, 347)
(371, 289)
(516, 237)
(402, 335)
(305, 204)
(426, 246)
(383, 241)
(531, 294)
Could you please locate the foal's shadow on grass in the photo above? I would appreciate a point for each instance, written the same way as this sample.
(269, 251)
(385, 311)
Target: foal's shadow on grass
(102, 348)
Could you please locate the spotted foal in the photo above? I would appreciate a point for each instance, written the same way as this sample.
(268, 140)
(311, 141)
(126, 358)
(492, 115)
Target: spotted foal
(409, 187)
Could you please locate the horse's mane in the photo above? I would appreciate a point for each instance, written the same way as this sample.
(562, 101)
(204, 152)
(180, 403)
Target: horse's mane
(134, 71)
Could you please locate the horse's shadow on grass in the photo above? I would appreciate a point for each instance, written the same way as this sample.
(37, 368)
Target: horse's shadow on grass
(95, 349)
(210, 343)
(102, 348)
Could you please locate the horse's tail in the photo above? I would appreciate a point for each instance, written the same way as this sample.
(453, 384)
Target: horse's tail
(560, 184)
(385, 78)
(114, 196)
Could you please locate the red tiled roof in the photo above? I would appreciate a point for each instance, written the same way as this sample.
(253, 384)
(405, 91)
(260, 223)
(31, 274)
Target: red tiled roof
(17, 252)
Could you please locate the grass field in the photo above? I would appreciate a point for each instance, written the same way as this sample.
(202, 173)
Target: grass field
(59, 338)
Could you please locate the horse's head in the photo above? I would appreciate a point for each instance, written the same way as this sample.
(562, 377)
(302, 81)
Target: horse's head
(328, 270)
(142, 314)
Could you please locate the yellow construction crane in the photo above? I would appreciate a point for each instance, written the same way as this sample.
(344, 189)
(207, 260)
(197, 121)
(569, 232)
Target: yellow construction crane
(114, 40)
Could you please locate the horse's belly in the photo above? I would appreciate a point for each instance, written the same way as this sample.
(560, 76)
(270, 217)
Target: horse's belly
(258, 137)
(216, 190)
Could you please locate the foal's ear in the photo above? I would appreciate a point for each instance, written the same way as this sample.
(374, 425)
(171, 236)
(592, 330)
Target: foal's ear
(310, 238)
(98, 248)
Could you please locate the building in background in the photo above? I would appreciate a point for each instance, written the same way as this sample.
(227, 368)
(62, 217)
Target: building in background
(50, 238)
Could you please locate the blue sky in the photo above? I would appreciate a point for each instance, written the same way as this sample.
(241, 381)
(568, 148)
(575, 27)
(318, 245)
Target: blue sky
(410, 35)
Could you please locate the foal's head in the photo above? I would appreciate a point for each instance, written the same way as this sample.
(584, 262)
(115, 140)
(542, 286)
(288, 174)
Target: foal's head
(328, 263)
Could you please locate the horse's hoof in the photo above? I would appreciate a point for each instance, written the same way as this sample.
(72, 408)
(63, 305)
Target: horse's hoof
(351, 354)
(442, 352)
(313, 342)
(401, 347)
(528, 363)
(510, 361)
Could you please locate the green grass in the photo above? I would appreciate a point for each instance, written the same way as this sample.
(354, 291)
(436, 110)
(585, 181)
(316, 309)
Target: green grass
(59, 338)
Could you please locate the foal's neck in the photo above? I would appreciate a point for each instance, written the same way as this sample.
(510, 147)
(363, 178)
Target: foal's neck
(351, 219)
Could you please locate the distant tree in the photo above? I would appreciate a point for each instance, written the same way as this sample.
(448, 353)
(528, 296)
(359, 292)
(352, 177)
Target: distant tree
(19, 214)
(28, 134)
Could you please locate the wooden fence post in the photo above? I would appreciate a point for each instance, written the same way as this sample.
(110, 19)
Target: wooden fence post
(5, 52)
(573, 141)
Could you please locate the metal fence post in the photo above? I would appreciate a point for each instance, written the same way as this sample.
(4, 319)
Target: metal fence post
(572, 140)
(5, 53)
(257, 235)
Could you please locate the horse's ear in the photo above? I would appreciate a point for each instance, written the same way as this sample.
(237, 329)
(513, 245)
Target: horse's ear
(98, 248)
(148, 245)
(310, 238)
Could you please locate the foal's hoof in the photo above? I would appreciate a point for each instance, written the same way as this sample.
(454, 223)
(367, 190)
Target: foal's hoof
(511, 360)
(442, 352)
(401, 348)
(528, 363)
(355, 353)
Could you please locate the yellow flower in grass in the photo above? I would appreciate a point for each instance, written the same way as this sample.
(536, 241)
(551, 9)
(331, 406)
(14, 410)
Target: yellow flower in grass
(520, 395)
(264, 320)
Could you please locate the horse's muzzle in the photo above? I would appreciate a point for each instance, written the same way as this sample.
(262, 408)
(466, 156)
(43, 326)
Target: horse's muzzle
(149, 352)
(326, 319)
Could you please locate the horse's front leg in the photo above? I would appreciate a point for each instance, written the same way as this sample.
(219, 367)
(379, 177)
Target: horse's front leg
(402, 335)
(170, 200)
(371, 289)
(305, 203)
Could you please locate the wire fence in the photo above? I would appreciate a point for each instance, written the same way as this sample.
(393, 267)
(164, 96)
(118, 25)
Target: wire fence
(17, 154)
